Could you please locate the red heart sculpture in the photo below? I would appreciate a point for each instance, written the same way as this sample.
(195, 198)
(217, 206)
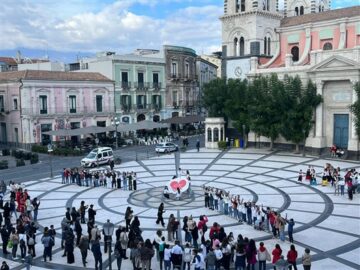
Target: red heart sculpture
(175, 184)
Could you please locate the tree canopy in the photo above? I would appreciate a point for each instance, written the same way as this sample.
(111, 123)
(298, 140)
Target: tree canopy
(266, 105)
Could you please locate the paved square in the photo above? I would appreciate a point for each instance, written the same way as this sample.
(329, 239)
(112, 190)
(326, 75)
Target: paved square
(329, 225)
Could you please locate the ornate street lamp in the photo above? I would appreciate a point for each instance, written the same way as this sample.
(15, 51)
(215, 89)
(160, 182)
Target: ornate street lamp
(108, 228)
(116, 122)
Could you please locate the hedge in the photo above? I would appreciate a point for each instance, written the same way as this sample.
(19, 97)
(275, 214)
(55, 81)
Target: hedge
(20, 162)
(6, 152)
(222, 145)
(4, 165)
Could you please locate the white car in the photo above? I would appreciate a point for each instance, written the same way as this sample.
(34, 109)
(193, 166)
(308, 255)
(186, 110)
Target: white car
(98, 156)
(166, 147)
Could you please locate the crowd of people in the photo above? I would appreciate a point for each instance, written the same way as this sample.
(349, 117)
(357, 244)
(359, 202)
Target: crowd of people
(204, 246)
(100, 178)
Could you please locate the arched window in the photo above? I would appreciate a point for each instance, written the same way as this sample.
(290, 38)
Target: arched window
(242, 5)
(296, 11)
(209, 133)
(216, 134)
(269, 45)
(301, 10)
(242, 46)
(295, 53)
(327, 46)
(265, 45)
(235, 46)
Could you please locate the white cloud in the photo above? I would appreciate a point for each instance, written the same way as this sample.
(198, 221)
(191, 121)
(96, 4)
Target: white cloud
(112, 27)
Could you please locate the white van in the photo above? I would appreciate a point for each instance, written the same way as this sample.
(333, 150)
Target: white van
(98, 156)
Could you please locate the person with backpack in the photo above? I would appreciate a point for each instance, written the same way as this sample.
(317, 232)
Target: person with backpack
(210, 259)
(187, 256)
(46, 240)
(198, 261)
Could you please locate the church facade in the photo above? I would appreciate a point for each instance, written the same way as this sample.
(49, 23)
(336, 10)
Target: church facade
(307, 39)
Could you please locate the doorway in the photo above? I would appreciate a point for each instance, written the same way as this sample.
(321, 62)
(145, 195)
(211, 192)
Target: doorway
(341, 130)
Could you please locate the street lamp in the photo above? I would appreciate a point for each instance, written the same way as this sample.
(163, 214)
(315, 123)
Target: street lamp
(108, 228)
(50, 157)
(116, 122)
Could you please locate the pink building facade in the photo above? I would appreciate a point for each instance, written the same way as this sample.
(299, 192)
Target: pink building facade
(33, 102)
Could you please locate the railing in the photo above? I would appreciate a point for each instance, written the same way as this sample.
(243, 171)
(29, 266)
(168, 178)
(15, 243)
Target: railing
(156, 86)
(141, 85)
(51, 111)
(125, 85)
(126, 107)
(156, 107)
(175, 76)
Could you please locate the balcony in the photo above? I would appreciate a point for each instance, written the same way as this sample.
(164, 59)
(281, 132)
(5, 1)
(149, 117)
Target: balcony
(61, 111)
(156, 86)
(156, 107)
(125, 86)
(175, 105)
(141, 108)
(141, 86)
(175, 76)
(126, 108)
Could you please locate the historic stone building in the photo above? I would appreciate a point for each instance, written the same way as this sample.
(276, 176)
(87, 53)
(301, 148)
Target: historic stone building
(306, 39)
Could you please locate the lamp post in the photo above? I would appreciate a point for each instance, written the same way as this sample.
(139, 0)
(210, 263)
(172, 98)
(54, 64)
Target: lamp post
(50, 157)
(108, 228)
(116, 122)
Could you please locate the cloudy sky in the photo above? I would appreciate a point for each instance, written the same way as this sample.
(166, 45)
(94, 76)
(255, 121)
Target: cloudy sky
(70, 28)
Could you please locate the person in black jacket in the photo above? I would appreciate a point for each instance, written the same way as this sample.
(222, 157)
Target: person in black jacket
(160, 212)
(92, 213)
(5, 235)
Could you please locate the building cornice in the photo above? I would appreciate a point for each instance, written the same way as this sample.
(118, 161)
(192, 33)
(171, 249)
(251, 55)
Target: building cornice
(253, 12)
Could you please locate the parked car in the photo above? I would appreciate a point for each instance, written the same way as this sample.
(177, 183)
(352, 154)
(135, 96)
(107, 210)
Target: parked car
(166, 147)
(98, 156)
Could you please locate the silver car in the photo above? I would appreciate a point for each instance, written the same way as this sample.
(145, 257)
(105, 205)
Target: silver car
(166, 147)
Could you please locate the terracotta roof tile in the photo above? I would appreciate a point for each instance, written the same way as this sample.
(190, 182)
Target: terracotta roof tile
(8, 60)
(322, 16)
(53, 76)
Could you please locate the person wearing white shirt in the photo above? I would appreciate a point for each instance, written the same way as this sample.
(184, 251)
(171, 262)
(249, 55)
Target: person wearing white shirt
(167, 258)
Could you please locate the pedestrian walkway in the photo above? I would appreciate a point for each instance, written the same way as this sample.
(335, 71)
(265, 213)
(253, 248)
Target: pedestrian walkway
(327, 224)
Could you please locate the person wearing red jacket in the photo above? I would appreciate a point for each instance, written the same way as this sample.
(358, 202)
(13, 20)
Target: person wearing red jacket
(202, 222)
(291, 257)
(214, 232)
(276, 254)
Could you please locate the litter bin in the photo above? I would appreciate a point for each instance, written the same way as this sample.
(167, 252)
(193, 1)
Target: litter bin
(237, 143)
(241, 143)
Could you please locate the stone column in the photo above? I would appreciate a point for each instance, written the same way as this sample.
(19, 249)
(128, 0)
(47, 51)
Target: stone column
(319, 111)
(353, 140)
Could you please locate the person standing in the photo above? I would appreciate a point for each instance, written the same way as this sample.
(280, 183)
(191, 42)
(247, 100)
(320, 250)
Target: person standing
(263, 256)
(14, 238)
(198, 145)
(84, 246)
(291, 224)
(46, 240)
(118, 253)
(160, 212)
(134, 181)
(82, 211)
(36, 205)
(5, 235)
(306, 259)
(69, 246)
(276, 254)
(95, 248)
(91, 213)
(291, 257)
(128, 217)
(124, 241)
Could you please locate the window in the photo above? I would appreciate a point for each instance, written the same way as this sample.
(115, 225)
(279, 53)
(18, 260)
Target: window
(173, 70)
(16, 131)
(15, 104)
(72, 104)
(174, 98)
(235, 47)
(43, 104)
(124, 76)
(187, 70)
(209, 133)
(105, 154)
(140, 77)
(2, 105)
(265, 45)
(296, 11)
(216, 134)
(242, 5)
(99, 101)
(242, 46)
(301, 10)
(155, 77)
(269, 45)
(327, 46)
(295, 53)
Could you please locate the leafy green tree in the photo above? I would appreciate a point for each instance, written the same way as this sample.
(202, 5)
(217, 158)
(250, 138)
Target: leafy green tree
(299, 105)
(266, 109)
(215, 97)
(355, 109)
(237, 106)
